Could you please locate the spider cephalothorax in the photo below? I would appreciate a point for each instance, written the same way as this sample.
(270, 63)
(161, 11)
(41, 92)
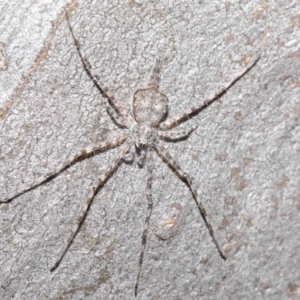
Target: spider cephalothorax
(143, 135)
(143, 131)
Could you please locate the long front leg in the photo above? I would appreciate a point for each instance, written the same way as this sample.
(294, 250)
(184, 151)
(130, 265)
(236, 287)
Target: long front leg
(163, 153)
(86, 153)
(149, 211)
(175, 135)
(103, 178)
(191, 112)
(119, 114)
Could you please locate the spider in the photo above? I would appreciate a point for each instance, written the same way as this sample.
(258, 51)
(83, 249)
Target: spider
(143, 130)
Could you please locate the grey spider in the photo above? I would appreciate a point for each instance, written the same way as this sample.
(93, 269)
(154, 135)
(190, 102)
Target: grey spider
(143, 129)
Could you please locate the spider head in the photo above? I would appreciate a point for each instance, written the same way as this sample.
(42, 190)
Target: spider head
(149, 106)
(143, 135)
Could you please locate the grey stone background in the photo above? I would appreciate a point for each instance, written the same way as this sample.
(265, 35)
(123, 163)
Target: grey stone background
(243, 158)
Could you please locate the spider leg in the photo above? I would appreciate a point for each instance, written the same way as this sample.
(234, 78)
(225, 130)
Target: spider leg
(155, 76)
(117, 118)
(103, 178)
(166, 157)
(130, 155)
(141, 157)
(175, 135)
(84, 154)
(118, 113)
(149, 211)
(191, 112)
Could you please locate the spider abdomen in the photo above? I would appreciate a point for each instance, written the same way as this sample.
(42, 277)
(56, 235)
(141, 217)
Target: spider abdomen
(149, 106)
